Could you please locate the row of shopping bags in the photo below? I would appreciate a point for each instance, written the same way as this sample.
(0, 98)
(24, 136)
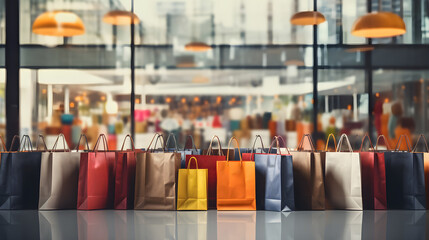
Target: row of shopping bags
(266, 179)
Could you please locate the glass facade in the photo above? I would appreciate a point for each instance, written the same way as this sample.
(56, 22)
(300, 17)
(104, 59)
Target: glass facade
(257, 78)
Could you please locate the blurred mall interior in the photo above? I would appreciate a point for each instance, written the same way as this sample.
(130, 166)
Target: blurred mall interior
(253, 73)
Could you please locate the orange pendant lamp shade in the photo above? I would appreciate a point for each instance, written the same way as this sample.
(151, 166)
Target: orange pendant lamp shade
(58, 23)
(307, 18)
(118, 17)
(379, 25)
(197, 47)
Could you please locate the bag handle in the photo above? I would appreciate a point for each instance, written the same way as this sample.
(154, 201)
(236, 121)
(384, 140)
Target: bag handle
(86, 141)
(103, 138)
(3, 144)
(407, 141)
(238, 146)
(156, 135)
(25, 139)
(16, 137)
(262, 143)
(385, 141)
(192, 141)
(366, 136)
(424, 141)
(340, 143)
(41, 139)
(171, 135)
(196, 162)
(131, 140)
(66, 146)
(209, 150)
(310, 140)
(327, 142)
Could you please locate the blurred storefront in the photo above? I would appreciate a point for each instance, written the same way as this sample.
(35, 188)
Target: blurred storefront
(254, 73)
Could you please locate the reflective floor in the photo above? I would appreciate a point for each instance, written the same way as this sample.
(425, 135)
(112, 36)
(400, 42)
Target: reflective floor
(109, 224)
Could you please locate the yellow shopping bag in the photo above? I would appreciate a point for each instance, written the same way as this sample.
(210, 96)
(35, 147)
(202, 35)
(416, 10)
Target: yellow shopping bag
(192, 188)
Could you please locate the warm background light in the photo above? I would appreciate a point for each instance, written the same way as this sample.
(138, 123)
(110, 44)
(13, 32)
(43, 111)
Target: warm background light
(379, 25)
(58, 23)
(307, 18)
(118, 17)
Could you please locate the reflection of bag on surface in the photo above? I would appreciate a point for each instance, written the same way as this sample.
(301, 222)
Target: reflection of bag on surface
(192, 188)
(308, 175)
(236, 225)
(236, 184)
(125, 177)
(345, 225)
(59, 178)
(96, 188)
(373, 177)
(192, 225)
(209, 162)
(156, 179)
(274, 181)
(19, 225)
(58, 225)
(155, 225)
(343, 178)
(405, 180)
(20, 177)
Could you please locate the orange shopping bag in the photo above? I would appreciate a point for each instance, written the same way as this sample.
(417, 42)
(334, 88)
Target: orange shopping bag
(236, 184)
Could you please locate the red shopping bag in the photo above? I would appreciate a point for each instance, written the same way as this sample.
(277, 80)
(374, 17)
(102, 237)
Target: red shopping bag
(209, 162)
(373, 174)
(125, 177)
(96, 187)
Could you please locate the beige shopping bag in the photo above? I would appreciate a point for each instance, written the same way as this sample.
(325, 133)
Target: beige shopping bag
(59, 177)
(156, 179)
(343, 178)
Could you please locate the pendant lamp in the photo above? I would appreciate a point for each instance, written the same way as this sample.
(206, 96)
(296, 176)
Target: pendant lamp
(197, 47)
(119, 17)
(58, 23)
(307, 18)
(379, 25)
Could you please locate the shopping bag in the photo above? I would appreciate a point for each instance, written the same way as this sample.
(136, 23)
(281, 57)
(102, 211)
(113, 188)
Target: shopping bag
(156, 179)
(192, 151)
(209, 162)
(96, 188)
(59, 177)
(373, 173)
(192, 188)
(405, 187)
(236, 184)
(425, 163)
(274, 180)
(308, 176)
(125, 176)
(343, 178)
(20, 176)
(248, 154)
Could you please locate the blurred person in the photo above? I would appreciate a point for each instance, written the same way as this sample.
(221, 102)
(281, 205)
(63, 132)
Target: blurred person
(397, 112)
(168, 123)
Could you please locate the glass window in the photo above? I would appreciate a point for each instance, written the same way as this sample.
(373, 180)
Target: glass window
(74, 84)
